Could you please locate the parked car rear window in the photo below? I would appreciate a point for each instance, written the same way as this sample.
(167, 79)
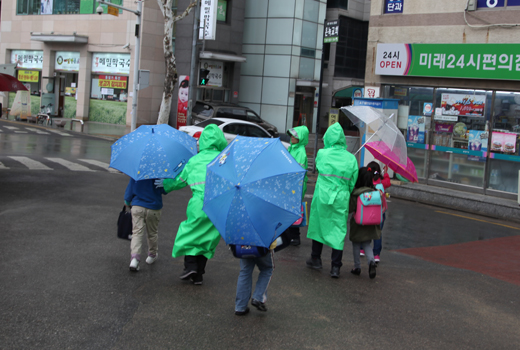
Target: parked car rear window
(234, 113)
(200, 110)
(208, 122)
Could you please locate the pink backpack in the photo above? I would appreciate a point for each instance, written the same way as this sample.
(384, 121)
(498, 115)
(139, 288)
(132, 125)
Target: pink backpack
(369, 208)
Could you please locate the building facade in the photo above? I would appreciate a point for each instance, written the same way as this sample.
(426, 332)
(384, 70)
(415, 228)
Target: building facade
(453, 65)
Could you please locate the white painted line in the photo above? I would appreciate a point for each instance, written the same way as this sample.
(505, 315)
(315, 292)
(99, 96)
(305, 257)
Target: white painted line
(2, 166)
(11, 127)
(31, 164)
(70, 165)
(38, 131)
(20, 132)
(59, 133)
(100, 164)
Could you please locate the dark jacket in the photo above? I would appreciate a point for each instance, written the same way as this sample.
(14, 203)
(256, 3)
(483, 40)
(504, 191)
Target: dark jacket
(143, 193)
(361, 233)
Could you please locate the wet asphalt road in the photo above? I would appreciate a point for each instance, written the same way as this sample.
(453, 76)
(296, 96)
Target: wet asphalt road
(65, 283)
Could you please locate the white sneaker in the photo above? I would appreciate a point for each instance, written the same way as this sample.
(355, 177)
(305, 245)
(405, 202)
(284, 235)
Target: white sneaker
(151, 259)
(134, 265)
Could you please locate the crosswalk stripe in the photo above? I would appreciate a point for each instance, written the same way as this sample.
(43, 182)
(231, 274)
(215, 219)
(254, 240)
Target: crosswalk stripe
(20, 132)
(70, 165)
(38, 131)
(60, 133)
(100, 164)
(31, 164)
(11, 127)
(2, 166)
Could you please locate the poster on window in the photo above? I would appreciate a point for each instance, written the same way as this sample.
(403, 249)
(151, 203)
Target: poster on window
(503, 142)
(463, 105)
(182, 100)
(415, 131)
(46, 7)
(478, 140)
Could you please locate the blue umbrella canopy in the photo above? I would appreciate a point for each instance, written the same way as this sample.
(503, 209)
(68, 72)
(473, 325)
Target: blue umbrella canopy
(253, 191)
(153, 152)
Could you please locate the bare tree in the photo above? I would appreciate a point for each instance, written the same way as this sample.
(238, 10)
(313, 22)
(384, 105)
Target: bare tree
(171, 67)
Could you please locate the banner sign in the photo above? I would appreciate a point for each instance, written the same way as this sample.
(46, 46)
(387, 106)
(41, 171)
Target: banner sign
(333, 116)
(473, 61)
(208, 20)
(111, 81)
(182, 100)
(67, 61)
(416, 126)
(111, 63)
(489, 4)
(27, 59)
(30, 76)
(394, 6)
(465, 105)
(331, 32)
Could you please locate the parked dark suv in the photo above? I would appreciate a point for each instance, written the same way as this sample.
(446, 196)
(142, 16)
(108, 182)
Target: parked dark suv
(206, 110)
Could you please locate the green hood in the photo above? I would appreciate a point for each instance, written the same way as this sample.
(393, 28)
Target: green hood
(301, 133)
(212, 138)
(335, 137)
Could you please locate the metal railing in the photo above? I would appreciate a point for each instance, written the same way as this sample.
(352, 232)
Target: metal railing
(77, 120)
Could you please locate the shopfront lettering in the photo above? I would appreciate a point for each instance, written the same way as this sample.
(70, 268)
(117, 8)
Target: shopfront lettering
(391, 64)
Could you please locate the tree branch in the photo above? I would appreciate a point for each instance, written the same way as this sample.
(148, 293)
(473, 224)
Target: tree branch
(186, 12)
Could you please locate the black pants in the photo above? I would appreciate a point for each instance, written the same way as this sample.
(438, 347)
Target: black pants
(336, 255)
(195, 262)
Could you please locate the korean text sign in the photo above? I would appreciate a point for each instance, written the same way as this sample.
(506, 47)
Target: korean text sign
(473, 61)
(331, 34)
(394, 6)
(111, 63)
(27, 59)
(28, 76)
(113, 82)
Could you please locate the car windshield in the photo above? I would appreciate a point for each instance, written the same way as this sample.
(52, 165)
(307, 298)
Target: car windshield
(208, 122)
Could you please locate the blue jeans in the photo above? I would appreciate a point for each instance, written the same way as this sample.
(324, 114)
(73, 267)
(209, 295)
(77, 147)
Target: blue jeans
(245, 280)
(378, 243)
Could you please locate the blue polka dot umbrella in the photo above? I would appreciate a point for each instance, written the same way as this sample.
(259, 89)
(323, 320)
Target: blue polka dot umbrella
(253, 191)
(153, 152)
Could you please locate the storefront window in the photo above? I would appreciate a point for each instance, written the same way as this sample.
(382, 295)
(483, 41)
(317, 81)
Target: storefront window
(460, 136)
(504, 143)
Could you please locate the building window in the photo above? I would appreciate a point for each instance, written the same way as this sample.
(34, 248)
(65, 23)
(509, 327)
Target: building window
(351, 49)
(337, 4)
(28, 7)
(59, 7)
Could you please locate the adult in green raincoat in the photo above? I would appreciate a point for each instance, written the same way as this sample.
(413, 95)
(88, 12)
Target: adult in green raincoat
(299, 139)
(197, 238)
(337, 175)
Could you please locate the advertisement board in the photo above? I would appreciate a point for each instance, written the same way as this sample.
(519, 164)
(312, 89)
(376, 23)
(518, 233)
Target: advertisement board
(478, 140)
(27, 59)
(112, 81)
(182, 100)
(67, 61)
(111, 63)
(216, 72)
(208, 18)
(503, 142)
(473, 61)
(30, 76)
(463, 105)
(415, 130)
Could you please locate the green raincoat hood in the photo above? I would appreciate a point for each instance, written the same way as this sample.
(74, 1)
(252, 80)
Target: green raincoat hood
(212, 138)
(335, 137)
(301, 133)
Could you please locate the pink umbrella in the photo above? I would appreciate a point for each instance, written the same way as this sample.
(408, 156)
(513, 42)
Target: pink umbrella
(382, 152)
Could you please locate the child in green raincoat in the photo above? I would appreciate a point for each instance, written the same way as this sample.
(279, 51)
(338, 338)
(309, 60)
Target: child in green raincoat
(197, 238)
(299, 139)
(337, 175)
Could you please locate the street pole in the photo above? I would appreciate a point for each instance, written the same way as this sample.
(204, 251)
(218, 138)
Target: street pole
(193, 66)
(136, 53)
(319, 99)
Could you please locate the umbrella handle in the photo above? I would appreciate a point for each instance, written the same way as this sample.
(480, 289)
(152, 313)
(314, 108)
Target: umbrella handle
(374, 134)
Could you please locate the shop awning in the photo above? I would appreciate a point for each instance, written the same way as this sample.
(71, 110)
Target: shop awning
(346, 93)
(59, 38)
(210, 55)
(313, 83)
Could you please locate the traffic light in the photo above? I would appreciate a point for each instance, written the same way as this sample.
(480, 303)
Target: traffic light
(203, 77)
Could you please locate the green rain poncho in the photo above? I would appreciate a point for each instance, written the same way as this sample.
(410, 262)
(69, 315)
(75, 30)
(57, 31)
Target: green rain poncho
(338, 172)
(197, 235)
(297, 150)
